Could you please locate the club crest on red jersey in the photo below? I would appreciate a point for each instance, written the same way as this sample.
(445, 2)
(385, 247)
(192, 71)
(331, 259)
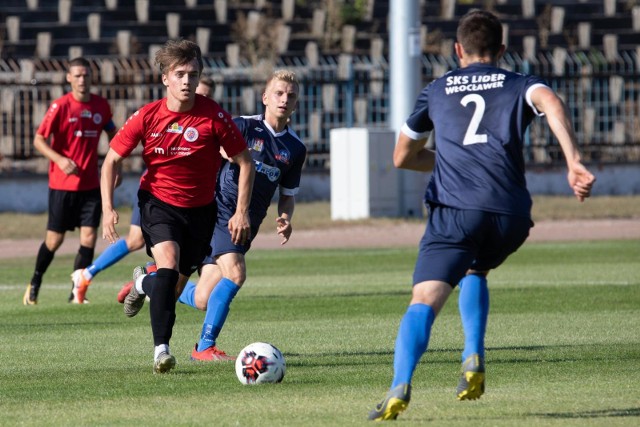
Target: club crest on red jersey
(191, 134)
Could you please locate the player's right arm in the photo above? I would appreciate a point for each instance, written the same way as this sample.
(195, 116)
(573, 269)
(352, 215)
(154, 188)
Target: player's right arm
(546, 101)
(65, 164)
(413, 154)
(122, 144)
(109, 173)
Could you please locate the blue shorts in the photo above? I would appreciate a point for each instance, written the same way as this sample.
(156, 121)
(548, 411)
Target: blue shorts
(457, 240)
(135, 213)
(221, 240)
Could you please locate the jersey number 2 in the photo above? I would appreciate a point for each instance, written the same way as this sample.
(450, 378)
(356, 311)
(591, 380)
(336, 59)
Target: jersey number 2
(472, 137)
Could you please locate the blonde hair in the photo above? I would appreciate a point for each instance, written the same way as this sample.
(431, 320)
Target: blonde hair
(284, 75)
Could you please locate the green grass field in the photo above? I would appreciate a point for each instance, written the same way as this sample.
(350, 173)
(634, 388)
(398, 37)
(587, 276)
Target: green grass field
(563, 345)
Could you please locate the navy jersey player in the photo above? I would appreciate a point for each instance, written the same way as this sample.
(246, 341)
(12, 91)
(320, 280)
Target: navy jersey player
(479, 206)
(278, 156)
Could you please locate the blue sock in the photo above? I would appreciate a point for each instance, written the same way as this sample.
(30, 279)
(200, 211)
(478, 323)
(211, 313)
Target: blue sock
(110, 256)
(474, 310)
(412, 342)
(217, 310)
(188, 295)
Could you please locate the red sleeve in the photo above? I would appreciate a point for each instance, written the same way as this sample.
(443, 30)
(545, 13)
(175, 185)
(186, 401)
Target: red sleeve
(49, 122)
(129, 135)
(229, 135)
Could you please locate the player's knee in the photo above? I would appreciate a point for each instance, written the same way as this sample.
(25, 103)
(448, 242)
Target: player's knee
(237, 276)
(135, 244)
(201, 302)
(53, 241)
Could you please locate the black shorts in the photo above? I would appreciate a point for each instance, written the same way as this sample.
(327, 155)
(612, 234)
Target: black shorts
(190, 228)
(71, 209)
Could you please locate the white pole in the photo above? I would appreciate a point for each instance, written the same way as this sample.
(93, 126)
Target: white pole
(404, 85)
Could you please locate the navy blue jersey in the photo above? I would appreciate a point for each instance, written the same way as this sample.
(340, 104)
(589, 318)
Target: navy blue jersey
(480, 114)
(278, 159)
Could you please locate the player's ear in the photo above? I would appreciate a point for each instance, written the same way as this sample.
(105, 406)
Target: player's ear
(459, 50)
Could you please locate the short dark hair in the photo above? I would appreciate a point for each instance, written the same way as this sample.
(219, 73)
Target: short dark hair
(79, 62)
(480, 33)
(206, 80)
(178, 52)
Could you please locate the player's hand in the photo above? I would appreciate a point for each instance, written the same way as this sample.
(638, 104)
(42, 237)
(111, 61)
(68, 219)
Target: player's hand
(284, 229)
(240, 228)
(581, 181)
(109, 220)
(68, 166)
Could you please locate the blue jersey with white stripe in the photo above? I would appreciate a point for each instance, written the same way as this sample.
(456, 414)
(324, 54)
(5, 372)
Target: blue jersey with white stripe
(480, 114)
(278, 159)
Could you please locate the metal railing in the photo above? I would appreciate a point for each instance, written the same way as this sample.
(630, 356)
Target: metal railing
(341, 91)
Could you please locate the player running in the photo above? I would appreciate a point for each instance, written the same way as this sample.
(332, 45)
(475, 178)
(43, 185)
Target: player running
(74, 123)
(479, 205)
(182, 135)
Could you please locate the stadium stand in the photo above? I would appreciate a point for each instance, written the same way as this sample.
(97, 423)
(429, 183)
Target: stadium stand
(147, 22)
(584, 47)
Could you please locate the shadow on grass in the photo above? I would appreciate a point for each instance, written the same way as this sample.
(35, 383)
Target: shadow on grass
(604, 413)
(445, 356)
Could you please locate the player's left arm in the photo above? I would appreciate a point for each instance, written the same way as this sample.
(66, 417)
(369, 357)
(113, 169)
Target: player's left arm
(546, 101)
(286, 205)
(289, 186)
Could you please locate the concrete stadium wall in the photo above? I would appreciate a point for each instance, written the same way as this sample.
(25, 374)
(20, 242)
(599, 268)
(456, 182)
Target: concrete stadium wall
(29, 194)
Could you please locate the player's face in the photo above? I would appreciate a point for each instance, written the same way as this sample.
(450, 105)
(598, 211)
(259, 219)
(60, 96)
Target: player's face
(79, 77)
(181, 82)
(280, 99)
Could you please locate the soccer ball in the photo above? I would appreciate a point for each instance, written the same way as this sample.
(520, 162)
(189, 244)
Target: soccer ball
(260, 362)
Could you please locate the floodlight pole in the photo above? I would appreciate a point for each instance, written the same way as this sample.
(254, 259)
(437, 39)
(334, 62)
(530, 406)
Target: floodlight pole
(404, 85)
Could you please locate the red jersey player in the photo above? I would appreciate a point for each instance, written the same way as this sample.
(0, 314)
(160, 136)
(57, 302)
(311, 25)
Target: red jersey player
(182, 135)
(73, 124)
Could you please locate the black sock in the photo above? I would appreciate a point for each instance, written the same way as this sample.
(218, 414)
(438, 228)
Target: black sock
(43, 260)
(83, 258)
(161, 289)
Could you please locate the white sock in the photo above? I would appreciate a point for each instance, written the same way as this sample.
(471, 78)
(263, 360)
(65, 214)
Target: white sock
(138, 283)
(162, 348)
(86, 274)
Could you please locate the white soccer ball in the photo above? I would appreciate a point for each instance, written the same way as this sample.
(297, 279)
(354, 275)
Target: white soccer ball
(260, 362)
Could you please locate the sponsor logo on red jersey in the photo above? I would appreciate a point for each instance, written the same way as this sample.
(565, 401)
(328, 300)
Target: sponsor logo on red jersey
(174, 128)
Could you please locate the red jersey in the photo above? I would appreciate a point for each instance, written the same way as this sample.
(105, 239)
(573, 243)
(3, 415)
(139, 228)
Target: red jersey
(181, 150)
(75, 129)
